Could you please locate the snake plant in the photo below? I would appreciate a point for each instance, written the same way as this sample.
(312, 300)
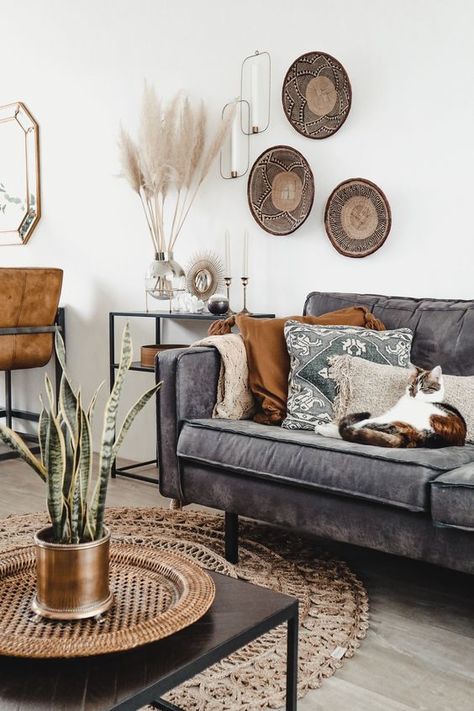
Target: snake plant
(75, 496)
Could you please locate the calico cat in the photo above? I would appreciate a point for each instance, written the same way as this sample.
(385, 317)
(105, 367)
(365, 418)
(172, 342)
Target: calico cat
(420, 418)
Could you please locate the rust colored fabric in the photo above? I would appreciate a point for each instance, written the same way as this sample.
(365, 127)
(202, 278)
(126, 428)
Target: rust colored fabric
(268, 359)
(28, 297)
(222, 327)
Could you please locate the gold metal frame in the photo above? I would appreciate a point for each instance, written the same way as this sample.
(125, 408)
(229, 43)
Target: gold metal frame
(25, 229)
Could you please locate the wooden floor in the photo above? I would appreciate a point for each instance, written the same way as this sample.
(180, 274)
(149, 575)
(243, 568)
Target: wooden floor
(419, 652)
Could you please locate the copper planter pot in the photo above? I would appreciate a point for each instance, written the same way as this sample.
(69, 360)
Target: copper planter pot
(72, 579)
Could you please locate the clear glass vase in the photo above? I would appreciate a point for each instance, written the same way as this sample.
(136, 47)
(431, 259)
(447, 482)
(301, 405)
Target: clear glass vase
(164, 278)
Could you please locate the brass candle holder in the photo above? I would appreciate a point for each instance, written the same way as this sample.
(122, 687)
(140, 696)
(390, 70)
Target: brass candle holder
(245, 281)
(228, 282)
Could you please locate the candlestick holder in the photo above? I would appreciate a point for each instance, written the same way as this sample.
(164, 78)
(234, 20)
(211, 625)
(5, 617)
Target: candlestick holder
(245, 281)
(228, 282)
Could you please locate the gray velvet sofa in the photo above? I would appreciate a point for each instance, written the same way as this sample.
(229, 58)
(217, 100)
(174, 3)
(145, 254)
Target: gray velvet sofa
(417, 503)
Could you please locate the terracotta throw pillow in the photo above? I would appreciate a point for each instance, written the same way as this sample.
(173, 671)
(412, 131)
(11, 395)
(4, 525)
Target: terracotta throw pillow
(268, 359)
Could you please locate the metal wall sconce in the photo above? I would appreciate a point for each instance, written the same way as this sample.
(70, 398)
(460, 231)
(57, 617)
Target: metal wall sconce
(255, 87)
(252, 114)
(235, 152)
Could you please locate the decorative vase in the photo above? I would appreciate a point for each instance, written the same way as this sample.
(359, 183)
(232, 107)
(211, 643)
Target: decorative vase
(164, 277)
(72, 578)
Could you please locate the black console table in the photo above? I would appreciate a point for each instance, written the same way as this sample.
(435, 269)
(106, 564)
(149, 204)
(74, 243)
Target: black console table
(137, 366)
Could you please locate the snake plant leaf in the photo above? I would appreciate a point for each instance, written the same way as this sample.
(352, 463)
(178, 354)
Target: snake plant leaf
(91, 408)
(108, 434)
(44, 426)
(75, 493)
(56, 469)
(89, 525)
(86, 532)
(50, 394)
(68, 405)
(12, 440)
(84, 469)
(85, 460)
(60, 351)
(67, 394)
(131, 414)
(70, 459)
(65, 523)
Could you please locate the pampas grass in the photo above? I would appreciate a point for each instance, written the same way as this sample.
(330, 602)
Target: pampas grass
(169, 162)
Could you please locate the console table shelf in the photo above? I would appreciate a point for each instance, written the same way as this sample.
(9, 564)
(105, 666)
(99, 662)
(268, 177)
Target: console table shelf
(138, 367)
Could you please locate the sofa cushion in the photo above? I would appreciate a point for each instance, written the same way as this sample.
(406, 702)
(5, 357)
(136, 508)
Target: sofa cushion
(443, 330)
(268, 359)
(452, 499)
(363, 386)
(398, 477)
(311, 391)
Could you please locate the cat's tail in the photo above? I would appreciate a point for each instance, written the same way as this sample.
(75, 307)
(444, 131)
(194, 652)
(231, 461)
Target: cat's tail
(375, 435)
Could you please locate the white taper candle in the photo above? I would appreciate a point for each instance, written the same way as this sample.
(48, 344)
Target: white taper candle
(227, 254)
(254, 93)
(234, 142)
(245, 265)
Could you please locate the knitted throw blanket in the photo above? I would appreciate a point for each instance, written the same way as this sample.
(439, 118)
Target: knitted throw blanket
(234, 397)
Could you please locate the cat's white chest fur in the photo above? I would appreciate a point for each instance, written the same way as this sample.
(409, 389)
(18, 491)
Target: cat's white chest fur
(408, 410)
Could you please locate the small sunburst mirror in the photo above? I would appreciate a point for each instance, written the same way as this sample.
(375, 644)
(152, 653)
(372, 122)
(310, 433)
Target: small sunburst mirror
(204, 275)
(20, 207)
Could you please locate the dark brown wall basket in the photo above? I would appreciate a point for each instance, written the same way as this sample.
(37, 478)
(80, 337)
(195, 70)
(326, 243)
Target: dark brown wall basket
(316, 95)
(357, 217)
(280, 190)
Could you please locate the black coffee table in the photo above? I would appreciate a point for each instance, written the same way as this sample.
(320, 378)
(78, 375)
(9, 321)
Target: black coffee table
(126, 681)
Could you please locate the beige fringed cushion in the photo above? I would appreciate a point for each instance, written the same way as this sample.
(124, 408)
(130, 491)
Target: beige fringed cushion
(363, 386)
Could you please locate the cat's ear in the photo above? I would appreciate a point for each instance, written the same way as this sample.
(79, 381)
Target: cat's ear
(413, 372)
(436, 373)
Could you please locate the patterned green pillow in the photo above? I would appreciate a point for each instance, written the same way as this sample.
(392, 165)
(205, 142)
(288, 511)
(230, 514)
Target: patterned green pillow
(311, 391)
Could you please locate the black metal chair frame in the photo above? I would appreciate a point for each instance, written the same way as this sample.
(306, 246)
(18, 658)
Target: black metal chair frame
(10, 413)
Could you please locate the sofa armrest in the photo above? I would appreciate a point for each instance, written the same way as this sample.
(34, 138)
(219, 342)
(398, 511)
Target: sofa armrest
(190, 377)
(452, 498)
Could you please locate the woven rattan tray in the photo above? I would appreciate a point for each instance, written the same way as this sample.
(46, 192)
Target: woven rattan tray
(156, 593)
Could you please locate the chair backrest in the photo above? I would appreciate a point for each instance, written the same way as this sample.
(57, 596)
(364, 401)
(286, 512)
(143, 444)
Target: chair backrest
(28, 297)
(443, 329)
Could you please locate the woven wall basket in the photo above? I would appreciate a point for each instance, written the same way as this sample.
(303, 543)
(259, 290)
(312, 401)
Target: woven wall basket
(357, 217)
(316, 95)
(280, 190)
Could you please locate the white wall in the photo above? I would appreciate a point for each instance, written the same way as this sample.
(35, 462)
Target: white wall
(79, 66)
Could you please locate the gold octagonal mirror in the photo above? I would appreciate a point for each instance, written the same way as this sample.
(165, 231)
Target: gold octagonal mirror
(20, 205)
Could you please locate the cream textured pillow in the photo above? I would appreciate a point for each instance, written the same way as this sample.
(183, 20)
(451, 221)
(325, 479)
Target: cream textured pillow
(363, 386)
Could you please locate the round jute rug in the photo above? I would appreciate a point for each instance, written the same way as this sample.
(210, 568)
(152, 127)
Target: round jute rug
(333, 602)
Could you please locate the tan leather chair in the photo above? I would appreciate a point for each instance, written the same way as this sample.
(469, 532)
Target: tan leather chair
(29, 316)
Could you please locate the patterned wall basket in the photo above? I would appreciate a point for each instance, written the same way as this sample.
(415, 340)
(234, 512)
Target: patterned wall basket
(357, 218)
(316, 95)
(280, 190)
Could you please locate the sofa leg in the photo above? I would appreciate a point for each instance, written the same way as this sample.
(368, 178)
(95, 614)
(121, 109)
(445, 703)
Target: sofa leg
(232, 537)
